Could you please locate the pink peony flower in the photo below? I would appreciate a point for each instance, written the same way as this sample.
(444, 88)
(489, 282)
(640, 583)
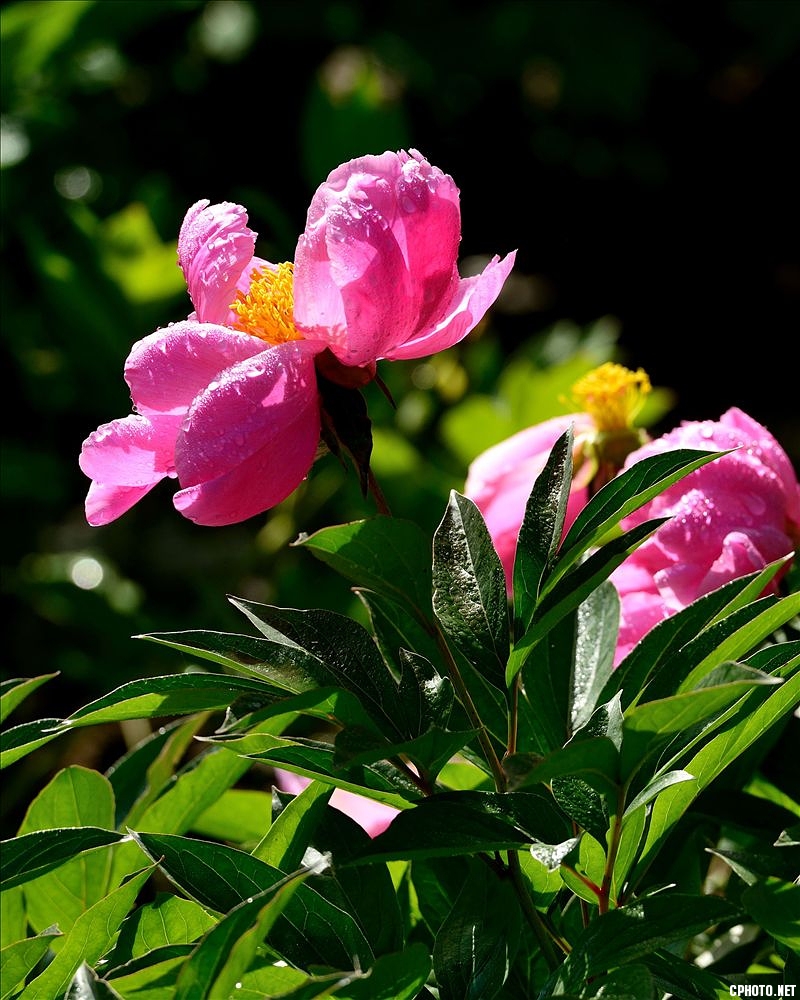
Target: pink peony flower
(728, 518)
(373, 816)
(499, 481)
(226, 401)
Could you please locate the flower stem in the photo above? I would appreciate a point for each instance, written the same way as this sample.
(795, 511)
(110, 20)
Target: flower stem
(545, 938)
(464, 697)
(604, 896)
(377, 492)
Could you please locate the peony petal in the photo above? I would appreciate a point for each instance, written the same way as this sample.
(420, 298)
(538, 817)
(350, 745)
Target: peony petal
(260, 481)
(493, 465)
(105, 504)
(250, 439)
(215, 247)
(639, 612)
(467, 308)
(251, 402)
(166, 370)
(125, 459)
(376, 265)
(372, 816)
(133, 451)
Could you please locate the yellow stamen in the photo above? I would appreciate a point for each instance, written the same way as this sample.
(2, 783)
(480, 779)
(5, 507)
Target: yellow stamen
(612, 395)
(267, 309)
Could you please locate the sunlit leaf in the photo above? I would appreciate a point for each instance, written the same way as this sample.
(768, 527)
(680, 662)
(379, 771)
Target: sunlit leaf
(32, 855)
(19, 959)
(89, 938)
(541, 530)
(15, 690)
(633, 932)
(469, 589)
(475, 945)
(220, 877)
(387, 555)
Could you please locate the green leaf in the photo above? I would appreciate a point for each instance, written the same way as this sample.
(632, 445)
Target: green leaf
(761, 708)
(153, 975)
(318, 760)
(289, 835)
(684, 979)
(595, 760)
(15, 690)
(631, 982)
(774, 905)
(384, 554)
(333, 650)
(18, 742)
(583, 804)
(574, 588)
(196, 787)
(781, 862)
(652, 655)
(655, 786)
(647, 724)
(453, 823)
(166, 920)
(428, 753)
(469, 588)
(738, 634)
(425, 698)
(239, 815)
(75, 797)
(541, 530)
(583, 867)
(595, 646)
(87, 985)
(544, 703)
(19, 959)
(282, 663)
(394, 629)
(625, 493)
(312, 930)
(226, 951)
(139, 777)
(366, 892)
(475, 945)
(728, 638)
(178, 694)
(90, 937)
(633, 932)
(13, 922)
(399, 976)
(32, 855)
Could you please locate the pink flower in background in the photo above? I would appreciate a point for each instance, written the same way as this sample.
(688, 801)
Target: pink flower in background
(226, 401)
(500, 480)
(373, 816)
(728, 518)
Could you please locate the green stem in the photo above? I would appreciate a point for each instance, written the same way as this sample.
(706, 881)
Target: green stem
(545, 937)
(469, 707)
(380, 500)
(604, 897)
(513, 718)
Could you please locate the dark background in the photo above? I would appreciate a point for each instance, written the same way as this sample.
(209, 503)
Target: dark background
(640, 156)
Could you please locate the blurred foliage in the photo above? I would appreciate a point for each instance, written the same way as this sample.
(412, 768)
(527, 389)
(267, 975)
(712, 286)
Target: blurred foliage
(638, 155)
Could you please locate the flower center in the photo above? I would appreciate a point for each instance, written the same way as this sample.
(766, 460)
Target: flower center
(267, 309)
(612, 395)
